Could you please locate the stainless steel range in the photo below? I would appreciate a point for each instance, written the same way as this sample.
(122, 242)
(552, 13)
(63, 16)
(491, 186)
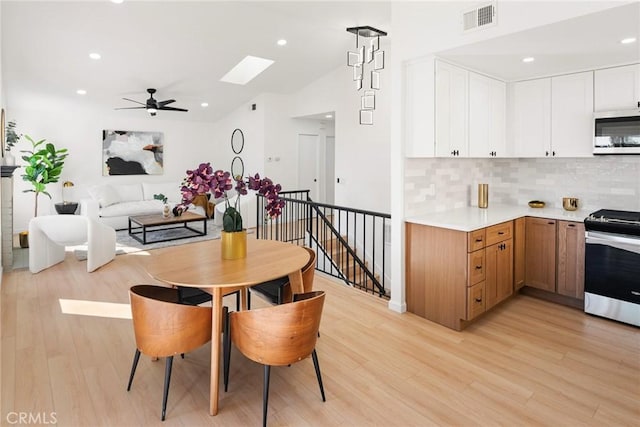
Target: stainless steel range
(612, 265)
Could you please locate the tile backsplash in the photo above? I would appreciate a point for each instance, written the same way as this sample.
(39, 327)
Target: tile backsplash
(435, 185)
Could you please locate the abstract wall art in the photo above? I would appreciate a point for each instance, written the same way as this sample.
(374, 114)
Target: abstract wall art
(132, 153)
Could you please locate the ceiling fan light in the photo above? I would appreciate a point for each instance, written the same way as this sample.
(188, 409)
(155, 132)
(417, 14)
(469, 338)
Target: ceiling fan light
(151, 110)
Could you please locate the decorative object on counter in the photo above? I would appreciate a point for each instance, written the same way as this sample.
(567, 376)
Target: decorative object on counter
(570, 203)
(483, 195)
(204, 180)
(536, 204)
(357, 59)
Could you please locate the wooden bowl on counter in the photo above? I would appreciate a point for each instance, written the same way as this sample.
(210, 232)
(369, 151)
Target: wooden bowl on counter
(536, 204)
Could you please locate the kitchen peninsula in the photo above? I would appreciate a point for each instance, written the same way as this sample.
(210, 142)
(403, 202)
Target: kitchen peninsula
(462, 262)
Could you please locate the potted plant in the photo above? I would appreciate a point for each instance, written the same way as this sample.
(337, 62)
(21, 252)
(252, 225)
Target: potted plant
(11, 138)
(204, 180)
(44, 165)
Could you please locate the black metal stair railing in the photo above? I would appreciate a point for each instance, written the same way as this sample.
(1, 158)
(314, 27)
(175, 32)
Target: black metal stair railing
(351, 243)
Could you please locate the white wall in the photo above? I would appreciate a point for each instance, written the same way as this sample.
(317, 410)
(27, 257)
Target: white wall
(79, 129)
(362, 163)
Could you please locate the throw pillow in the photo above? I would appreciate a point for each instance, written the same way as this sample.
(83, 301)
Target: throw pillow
(105, 195)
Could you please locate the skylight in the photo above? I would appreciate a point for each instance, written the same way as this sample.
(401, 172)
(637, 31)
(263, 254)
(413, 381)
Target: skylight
(246, 70)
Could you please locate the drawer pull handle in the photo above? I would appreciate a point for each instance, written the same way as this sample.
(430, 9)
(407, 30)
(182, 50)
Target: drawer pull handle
(478, 299)
(500, 233)
(571, 225)
(551, 223)
(478, 240)
(478, 267)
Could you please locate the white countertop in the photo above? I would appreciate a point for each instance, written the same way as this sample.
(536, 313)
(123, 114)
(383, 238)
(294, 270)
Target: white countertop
(473, 218)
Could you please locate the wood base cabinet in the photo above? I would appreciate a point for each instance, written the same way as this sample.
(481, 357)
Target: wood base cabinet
(571, 259)
(454, 276)
(540, 253)
(499, 277)
(554, 256)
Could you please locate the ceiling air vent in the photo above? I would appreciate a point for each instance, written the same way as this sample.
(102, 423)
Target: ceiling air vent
(481, 16)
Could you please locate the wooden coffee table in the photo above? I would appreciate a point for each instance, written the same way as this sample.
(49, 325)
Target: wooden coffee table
(142, 225)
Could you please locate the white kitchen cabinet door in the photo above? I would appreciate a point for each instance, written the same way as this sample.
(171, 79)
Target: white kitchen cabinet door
(572, 115)
(419, 114)
(487, 108)
(451, 110)
(617, 88)
(530, 125)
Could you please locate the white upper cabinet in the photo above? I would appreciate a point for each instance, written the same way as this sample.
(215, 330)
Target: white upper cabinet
(572, 115)
(530, 118)
(487, 109)
(451, 110)
(419, 122)
(617, 88)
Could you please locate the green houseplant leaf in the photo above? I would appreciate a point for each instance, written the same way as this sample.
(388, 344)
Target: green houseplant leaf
(44, 167)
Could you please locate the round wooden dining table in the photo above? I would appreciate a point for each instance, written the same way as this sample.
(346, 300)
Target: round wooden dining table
(200, 265)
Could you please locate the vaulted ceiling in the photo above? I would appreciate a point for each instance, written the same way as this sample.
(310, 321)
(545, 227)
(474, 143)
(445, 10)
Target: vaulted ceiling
(181, 48)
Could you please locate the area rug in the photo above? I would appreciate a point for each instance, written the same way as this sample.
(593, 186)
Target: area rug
(126, 244)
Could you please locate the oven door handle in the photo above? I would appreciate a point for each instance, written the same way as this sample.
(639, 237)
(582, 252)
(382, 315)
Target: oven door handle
(616, 241)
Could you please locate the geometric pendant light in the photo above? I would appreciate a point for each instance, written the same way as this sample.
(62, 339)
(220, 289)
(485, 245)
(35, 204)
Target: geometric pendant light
(366, 54)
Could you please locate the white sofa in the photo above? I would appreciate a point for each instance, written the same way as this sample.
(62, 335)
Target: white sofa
(113, 204)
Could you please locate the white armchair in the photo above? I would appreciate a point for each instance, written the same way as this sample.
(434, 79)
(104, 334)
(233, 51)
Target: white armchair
(49, 234)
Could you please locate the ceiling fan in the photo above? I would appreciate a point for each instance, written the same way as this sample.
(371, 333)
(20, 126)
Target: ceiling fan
(152, 105)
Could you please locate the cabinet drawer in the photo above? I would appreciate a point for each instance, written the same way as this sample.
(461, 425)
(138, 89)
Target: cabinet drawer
(476, 267)
(499, 232)
(476, 240)
(475, 300)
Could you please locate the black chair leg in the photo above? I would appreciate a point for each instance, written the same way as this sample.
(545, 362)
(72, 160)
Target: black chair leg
(238, 300)
(317, 366)
(226, 340)
(167, 380)
(136, 358)
(265, 394)
(248, 299)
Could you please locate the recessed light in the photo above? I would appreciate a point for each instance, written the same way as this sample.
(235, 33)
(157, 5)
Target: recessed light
(204, 104)
(328, 116)
(528, 59)
(628, 40)
(117, 1)
(246, 70)
(81, 92)
(282, 42)
(94, 55)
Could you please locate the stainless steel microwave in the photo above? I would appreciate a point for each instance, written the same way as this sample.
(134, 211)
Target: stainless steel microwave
(617, 132)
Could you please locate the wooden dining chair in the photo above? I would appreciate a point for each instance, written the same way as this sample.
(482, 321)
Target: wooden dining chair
(196, 296)
(278, 291)
(163, 328)
(276, 336)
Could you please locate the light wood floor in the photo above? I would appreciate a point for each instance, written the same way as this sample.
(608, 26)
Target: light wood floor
(528, 362)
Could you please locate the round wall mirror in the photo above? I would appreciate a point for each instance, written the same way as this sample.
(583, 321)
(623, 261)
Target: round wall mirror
(237, 168)
(237, 141)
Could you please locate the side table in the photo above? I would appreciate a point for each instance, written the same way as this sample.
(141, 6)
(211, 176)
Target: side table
(66, 208)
